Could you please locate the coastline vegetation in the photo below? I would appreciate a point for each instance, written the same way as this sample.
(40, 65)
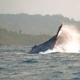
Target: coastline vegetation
(17, 38)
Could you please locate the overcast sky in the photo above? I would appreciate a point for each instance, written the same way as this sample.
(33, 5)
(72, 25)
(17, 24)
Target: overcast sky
(68, 8)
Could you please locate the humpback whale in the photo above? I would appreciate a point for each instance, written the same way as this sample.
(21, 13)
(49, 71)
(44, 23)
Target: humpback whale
(66, 40)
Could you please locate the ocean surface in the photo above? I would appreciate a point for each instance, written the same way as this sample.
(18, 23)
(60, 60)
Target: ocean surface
(17, 64)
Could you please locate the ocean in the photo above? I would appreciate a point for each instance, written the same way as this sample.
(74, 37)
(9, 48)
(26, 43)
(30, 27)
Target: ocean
(17, 64)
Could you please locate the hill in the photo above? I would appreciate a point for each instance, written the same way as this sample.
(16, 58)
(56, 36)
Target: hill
(34, 24)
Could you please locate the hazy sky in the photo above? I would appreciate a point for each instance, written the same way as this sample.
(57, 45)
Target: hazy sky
(68, 8)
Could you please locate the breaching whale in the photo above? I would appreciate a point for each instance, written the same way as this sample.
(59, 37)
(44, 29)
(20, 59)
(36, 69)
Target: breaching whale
(66, 41)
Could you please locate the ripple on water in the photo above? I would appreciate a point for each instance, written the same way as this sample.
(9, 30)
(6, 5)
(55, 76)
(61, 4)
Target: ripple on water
(73, 79)
(2, 68)
(22, 66)
(30, 61)
(77, 74)
(57, 74)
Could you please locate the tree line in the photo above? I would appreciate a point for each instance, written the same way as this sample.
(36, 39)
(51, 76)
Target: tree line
(17, 38)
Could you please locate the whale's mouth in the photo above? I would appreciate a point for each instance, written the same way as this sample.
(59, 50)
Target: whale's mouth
(66, 41)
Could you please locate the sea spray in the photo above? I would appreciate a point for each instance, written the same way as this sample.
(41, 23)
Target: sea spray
(68, 40)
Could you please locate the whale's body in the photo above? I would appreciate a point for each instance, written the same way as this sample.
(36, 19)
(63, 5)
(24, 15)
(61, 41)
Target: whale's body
(66, 40)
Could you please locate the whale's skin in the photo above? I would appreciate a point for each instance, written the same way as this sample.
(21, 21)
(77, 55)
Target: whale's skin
(46, 45)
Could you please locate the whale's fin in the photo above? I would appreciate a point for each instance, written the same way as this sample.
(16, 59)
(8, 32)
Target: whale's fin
(59, 30)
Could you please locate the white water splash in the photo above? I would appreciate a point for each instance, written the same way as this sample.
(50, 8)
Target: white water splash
(48, 51)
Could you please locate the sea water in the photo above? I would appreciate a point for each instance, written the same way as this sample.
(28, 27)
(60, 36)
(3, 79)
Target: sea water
(17, 64)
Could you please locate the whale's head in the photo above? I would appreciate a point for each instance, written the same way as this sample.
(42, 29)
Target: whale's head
(34, 49)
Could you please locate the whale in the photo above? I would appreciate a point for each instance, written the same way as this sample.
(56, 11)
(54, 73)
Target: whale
(66, 40)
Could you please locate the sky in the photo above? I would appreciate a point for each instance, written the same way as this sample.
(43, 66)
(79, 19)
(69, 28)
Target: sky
(68, 8)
